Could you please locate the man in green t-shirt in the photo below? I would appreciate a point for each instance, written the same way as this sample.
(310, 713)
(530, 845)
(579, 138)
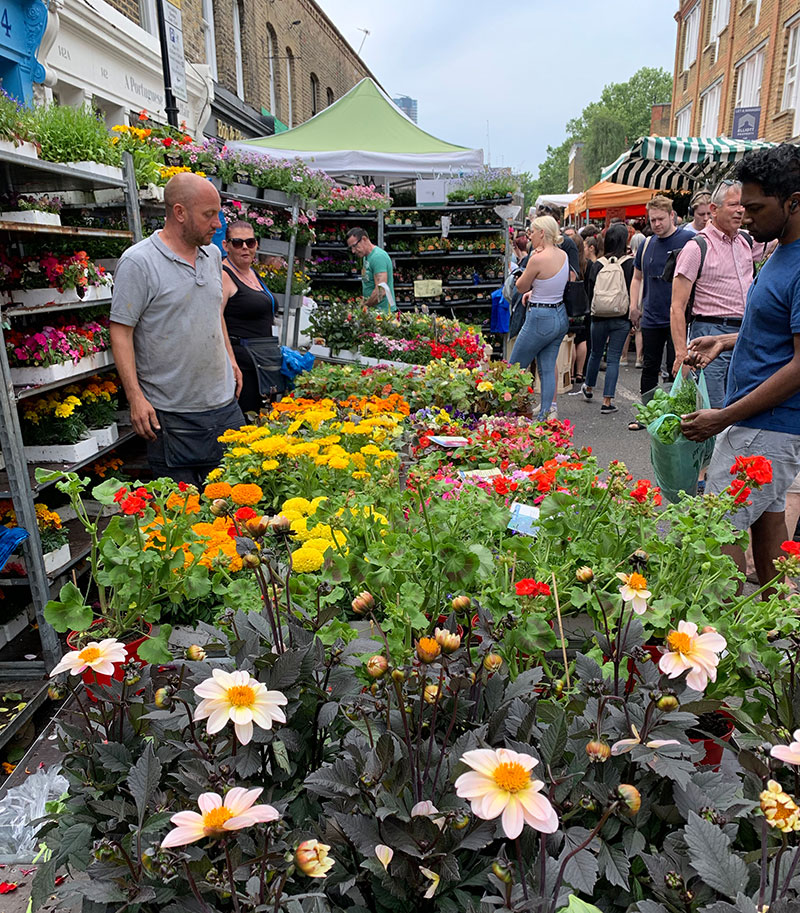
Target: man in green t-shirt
(377, 271)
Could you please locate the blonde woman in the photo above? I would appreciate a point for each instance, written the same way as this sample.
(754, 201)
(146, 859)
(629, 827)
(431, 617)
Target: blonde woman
(546, 322)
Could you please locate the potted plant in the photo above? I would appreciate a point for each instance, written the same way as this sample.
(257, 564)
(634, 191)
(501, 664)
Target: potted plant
(58, 352)
(54, 431)
(143, 560)
(39, 209)
(76, 136)
(52, 534)
(15, 133)
(52, 279)
(98, 408)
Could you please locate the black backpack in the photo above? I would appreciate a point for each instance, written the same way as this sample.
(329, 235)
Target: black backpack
(669, 267)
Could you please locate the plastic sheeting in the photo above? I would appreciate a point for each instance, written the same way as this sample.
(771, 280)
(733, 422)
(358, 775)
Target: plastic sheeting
(24, 804)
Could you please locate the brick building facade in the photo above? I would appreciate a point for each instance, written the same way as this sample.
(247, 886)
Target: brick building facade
(737, 69)
(284, 57)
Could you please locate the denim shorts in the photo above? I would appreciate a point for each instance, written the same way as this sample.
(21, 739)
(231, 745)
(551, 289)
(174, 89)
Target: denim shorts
(783, 451)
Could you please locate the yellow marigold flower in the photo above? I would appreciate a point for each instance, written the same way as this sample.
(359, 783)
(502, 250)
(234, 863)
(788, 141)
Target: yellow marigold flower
(291, 515)
(241, 451)
(232, 434)
(245, 494)
(306, 560)
(315, 503)
(269, 465)
(359, 475)
(318, 544)
(485, 386)
(370, 450)
(299, 528)
(217, 490)
(300, 504)
(337, 462)
(214, 474)
(779, 808)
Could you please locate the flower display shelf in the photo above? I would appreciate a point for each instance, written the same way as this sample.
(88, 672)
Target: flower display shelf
(28, 150)
(62, 453)
(97, 168)
(32, 217)
(55, 560)
(105, 437)
(39, 297)
(36, 376)
(274, 247)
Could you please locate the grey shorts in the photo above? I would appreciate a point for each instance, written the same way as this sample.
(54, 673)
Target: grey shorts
(783, 450)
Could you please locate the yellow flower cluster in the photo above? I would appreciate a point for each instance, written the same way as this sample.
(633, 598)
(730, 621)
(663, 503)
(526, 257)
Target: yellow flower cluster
(314, 540)
(140, 133)
(45, 518)
(169, 172)
(52, 404)
(779, 808)
(96, 390)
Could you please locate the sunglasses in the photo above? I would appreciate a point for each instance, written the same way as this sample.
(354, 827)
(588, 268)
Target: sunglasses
(238, 243)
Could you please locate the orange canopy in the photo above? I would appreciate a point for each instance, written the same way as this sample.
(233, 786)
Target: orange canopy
(606, 195)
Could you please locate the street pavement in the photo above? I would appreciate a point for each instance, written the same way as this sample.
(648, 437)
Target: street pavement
(608, 435)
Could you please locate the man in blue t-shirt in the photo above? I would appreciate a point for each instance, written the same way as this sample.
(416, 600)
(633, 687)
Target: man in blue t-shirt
(651, 296)
(761, 415)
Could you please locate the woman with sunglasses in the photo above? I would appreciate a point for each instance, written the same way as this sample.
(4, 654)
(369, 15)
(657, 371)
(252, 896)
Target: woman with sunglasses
(248, 307)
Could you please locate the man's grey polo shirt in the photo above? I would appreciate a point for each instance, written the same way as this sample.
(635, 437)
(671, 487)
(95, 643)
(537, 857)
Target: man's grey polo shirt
(176, 309)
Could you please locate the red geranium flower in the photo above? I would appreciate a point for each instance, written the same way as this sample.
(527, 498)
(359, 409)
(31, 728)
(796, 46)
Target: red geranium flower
(120, 494)
(791, 548)
(183, 486)
(245, 513)
(142, 492)
(530, 587)
(168, 141)
(740, 490)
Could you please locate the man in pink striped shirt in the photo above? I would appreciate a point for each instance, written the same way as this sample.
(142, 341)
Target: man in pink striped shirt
(720, 292)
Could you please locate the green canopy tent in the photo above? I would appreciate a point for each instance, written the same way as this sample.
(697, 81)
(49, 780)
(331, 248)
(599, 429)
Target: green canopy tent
(678, 163)
(364, 132)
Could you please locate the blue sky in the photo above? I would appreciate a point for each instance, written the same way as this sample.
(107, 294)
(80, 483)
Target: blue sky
(526, 68)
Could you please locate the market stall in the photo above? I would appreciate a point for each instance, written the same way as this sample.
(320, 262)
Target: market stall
(607, 200)
(678, 163)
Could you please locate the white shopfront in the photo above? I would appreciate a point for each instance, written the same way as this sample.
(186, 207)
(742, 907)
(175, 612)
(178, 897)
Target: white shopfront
(95, 54)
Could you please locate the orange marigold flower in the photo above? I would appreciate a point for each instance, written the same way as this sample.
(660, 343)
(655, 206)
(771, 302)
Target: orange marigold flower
(246, 494)
(217, 490)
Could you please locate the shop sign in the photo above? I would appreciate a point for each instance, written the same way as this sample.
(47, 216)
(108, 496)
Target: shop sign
(228, 133)
(173, 22)
(745, 123)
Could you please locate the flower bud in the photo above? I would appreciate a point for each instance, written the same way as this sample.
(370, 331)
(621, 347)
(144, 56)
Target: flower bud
(448, 641)
(57, 691)
(667, 703)
(458, 824)
(279, 524)
(398, 676)
(588, 803)
(377, 665)
(673, 880)
(502, 871)
(428, 650)
(363, 603)
(132, 675)
(461, 603)
(163, 698)
(195, 653)
(251, 560)
(584, 574)
(311, 857)
(708, 629)
(257, 526)
(431, 694)
(630, 796)
(598, 751)
(219, 507)
(492, 662)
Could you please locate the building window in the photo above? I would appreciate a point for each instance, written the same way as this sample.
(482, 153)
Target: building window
(758, 12)
(691, 36)
(720, 14)
(314, 94)
(709, 125)
(748, 80)
(272, 45)
(289, 88)
(792, 63)
(148, 18)
(683, 121)
(331, 97)
(238, 16)
(208, 35)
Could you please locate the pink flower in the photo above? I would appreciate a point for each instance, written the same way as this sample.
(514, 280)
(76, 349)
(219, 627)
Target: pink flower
(218, 816)
(789, 754)
(693, 651)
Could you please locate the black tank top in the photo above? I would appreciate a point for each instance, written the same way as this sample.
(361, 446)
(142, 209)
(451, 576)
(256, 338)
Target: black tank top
(248, 313)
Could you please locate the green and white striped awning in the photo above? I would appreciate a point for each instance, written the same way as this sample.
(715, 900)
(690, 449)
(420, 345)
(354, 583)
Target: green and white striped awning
(678, 163)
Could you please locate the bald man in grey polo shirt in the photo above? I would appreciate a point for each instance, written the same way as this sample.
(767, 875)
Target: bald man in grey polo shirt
(169, 339)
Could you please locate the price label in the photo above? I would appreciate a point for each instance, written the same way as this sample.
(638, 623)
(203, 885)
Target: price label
(427, 288)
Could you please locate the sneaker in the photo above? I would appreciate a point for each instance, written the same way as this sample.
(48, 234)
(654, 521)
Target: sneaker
(640, 365)
(606, 409)
(587, 393)
(553, 413)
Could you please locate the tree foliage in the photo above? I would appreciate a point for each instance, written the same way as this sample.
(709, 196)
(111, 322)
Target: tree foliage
(606, 127)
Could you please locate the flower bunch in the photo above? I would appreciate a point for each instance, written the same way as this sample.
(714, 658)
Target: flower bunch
(52, 418)
(51, 528)
(360, 197)
(53, 345)
(750, 472)
(98, 406)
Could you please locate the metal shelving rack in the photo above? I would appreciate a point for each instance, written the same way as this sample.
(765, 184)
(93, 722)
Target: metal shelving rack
(28, 175)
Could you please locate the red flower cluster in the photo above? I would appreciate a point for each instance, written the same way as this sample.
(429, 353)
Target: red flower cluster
(245, 513)
(739, 490)
(133, 503)
(642, 489)
(545, 476)
(530, 587)
(791, 548)
(755, 469)
(503, 486)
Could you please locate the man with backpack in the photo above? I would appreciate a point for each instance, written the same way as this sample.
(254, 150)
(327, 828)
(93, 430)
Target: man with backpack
(713, 274)
(608, 282)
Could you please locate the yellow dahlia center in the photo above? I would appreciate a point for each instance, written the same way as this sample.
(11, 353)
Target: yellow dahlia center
(637, 582)
(214, 819)
(511, 776)
(241, 696)
(89, 654)
(679, 642)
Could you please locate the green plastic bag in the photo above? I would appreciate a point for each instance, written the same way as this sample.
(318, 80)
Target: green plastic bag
(677, 465)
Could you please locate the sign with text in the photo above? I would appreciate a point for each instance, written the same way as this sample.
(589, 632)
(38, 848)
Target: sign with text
(431, 193)
(427, 288)
(173, 21)
(745, 123)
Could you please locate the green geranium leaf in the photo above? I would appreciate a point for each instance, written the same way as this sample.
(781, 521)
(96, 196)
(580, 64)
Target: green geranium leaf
(69, 612)
(155, 650)
(104, 493)
(576, 905)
